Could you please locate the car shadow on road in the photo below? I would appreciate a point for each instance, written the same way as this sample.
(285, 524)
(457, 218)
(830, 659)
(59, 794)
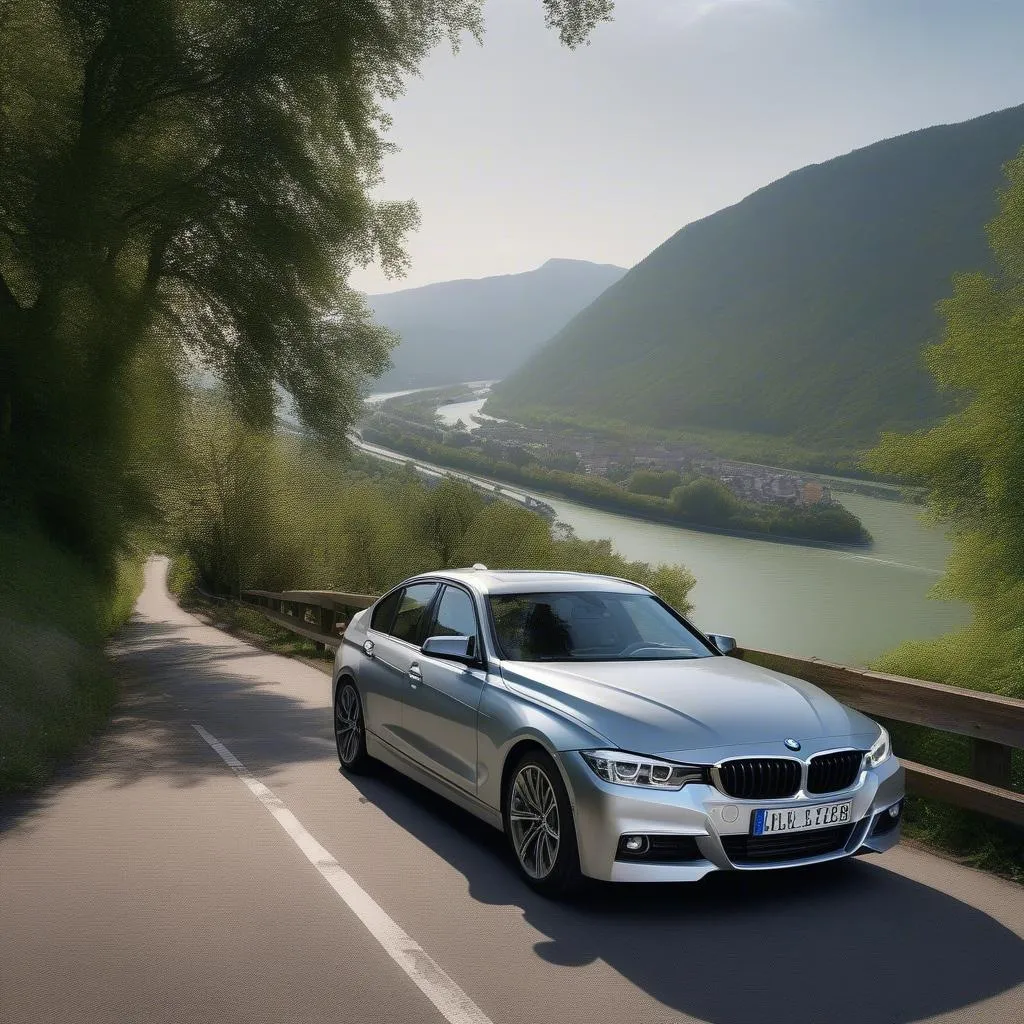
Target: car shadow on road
(833, 944)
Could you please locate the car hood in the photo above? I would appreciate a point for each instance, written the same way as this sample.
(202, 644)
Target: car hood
(676, 707)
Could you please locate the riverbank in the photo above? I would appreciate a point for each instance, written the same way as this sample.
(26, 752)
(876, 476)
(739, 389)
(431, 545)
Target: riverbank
(846, 606)
(847, 532)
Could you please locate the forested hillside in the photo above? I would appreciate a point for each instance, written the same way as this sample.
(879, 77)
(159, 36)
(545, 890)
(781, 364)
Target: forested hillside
(483, 329)
(800, 312)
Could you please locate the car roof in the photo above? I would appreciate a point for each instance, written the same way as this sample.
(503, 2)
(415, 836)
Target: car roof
(531, 581)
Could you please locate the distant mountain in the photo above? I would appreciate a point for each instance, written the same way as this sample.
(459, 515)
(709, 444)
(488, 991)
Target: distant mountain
(800, 312)
(483, 329)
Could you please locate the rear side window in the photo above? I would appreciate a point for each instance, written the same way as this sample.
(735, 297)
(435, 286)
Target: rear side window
(384, 612)
(409, 620)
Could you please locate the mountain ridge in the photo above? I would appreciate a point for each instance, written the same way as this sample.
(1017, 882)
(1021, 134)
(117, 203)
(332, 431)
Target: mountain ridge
(482, 328)
(799, 312)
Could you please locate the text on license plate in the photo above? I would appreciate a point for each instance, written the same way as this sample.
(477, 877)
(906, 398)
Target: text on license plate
(798, 819)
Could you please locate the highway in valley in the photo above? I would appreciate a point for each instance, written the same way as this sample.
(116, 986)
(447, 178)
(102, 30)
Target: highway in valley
(206, 861)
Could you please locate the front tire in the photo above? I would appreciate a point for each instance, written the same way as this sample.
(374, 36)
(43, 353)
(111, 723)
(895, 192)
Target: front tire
(540, 827)
(350, 729)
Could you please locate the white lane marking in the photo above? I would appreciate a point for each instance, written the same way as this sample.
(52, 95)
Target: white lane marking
(454, 1005)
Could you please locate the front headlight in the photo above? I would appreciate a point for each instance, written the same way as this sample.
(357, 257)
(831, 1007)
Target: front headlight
(881, 751)
(642, 772)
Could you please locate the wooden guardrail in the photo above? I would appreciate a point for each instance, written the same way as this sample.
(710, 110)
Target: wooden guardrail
(313, 614)
(994, 724)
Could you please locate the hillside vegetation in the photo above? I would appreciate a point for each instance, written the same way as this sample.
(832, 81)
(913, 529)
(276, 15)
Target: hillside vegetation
(56, 688)
(972, 464)
(252, 510)
(799, 313)
(483, 329)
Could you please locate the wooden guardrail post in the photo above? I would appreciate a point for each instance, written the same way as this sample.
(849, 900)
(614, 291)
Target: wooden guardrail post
(328, 616)
(991, 762)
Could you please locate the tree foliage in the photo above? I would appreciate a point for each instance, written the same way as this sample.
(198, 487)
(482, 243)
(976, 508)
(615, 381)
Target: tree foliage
(256, 510)
(972, 462)
(659, 482)
(183, 183)
(705, 500)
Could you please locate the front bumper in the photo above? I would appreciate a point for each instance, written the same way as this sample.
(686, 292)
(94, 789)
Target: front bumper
(605, 812)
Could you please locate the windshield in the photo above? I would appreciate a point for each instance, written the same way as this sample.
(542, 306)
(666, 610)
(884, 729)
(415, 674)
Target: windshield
(590, 626)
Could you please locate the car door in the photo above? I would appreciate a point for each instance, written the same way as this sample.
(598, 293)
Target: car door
(439, 720)
(391, 646)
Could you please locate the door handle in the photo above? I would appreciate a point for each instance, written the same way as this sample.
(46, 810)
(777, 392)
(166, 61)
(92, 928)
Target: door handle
(415, 675)
(368, 648)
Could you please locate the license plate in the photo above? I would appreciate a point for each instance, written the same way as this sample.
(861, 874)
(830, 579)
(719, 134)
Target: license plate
(769, 821)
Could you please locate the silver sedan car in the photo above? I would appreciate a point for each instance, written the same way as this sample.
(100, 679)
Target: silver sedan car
(604, 734)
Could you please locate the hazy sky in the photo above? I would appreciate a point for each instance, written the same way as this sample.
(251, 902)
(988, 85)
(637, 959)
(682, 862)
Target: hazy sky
(520, 150)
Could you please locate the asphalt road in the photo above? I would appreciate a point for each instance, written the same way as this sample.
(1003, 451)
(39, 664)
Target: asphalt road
(156, 883)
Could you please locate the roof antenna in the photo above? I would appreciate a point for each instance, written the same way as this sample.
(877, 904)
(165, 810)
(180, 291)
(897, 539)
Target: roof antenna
(480, 565)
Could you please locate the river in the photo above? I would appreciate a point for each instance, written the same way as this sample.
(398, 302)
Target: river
(843, 606)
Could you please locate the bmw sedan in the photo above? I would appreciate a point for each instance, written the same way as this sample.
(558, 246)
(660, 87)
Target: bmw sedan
(604, 734)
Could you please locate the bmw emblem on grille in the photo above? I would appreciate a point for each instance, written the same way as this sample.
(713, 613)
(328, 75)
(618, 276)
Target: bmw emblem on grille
(793, 744)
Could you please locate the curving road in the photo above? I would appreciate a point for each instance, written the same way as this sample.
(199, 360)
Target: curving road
(157, 883)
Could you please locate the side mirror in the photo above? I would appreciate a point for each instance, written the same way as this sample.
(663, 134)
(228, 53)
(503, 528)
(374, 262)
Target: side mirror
(453, 648)
(724, 644)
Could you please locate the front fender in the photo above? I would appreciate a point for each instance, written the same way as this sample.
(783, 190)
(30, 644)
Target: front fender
(507, 719)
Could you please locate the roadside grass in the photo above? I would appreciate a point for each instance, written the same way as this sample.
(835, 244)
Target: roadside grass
(239, 619)
(56, 690)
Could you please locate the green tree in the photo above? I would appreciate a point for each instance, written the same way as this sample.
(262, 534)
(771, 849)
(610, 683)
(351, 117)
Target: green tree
(221, 502)
(187, 182)
(972, 463)
(446, 515)
(659, 482)
(705, 500)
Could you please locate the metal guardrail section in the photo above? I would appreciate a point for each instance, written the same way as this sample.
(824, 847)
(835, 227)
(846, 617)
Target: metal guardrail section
(994, 724)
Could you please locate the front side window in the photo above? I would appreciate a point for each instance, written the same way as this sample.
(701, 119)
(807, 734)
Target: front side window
(590, 626)
(455, 615)
(409, 620)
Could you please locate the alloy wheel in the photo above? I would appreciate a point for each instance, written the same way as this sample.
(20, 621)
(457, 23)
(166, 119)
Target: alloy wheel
(534, 821)
(347, 724)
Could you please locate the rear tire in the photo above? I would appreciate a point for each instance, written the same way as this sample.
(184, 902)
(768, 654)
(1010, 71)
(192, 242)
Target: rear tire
(540, 827)
(350, 729)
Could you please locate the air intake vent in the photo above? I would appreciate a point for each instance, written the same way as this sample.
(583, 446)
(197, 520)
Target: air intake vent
(786, 845)
(829, 773)
(760, 778)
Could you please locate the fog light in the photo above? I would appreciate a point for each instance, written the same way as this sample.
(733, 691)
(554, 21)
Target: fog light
(894, 811)
(635, 843)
